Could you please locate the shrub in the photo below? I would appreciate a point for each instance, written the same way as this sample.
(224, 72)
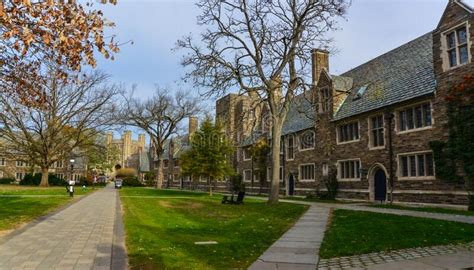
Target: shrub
(35, 180)
(131, 182)
(125, 172)
(237, 184)
(6, 181)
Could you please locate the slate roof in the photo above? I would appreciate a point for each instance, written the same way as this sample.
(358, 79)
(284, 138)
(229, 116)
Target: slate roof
(404, 73)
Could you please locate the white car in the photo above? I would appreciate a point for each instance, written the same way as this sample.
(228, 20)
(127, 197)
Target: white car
(118, 183)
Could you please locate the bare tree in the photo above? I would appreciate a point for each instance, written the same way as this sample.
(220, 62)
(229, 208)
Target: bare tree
(159, 117)
(263, 48)
(68, 121)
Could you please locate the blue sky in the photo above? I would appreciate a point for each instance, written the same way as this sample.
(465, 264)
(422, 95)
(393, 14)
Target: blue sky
(371, 28)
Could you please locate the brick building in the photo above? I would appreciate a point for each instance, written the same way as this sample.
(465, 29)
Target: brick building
(373, 124)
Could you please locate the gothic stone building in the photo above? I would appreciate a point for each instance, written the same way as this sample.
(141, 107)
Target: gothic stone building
(373, 124)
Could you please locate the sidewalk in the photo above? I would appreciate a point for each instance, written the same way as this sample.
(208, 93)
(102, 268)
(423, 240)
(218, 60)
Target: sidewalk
(78, 237)
(298, 248)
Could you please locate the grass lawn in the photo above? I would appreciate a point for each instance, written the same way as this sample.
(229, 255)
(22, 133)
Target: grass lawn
(161, 232)
(32, 190)
(356, 232)
(19, 209)
(426, 209)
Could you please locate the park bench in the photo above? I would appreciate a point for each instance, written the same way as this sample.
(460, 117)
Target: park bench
(240, 198)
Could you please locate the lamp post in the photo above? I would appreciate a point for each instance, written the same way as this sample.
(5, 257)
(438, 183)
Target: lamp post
(71, 162)
(71, 180)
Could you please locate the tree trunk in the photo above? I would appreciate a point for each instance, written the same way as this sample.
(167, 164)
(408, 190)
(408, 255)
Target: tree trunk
(159, 174)
(44, 177)
(275, 185)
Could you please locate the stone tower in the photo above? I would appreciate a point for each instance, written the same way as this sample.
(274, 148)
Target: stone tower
(127, 144)
(141, 142)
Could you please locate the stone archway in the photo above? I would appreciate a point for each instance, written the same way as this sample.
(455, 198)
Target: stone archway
(376, 173)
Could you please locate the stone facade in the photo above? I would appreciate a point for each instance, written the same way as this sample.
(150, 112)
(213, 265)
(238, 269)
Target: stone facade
(126, 150)
(394, 104)
(391, 108)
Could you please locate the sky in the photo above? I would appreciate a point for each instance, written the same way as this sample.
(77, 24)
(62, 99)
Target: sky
(371, 28)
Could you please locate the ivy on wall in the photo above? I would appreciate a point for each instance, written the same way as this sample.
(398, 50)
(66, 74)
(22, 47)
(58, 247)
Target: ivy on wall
(454, 158)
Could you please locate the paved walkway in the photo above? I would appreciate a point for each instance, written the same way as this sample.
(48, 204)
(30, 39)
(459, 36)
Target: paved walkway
(79, 237)
(298, 248)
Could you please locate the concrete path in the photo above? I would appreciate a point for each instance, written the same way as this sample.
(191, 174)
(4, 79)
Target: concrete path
(298, 248)
(86, 235)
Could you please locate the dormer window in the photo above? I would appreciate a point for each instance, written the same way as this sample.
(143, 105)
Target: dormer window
(457, 46)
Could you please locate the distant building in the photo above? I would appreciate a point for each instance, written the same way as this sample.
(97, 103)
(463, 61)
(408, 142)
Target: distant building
(124, 151)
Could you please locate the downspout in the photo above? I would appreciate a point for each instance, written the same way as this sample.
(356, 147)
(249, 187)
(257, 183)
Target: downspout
(283, 163)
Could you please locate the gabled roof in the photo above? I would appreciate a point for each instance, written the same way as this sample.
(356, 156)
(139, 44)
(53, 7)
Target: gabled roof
(404, 73)
(466, 4)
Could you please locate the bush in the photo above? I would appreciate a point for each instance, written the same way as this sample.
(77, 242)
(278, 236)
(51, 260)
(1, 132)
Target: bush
(237, 184)
(131, 182)
(125, 172)
(6, 181)
(35, 180)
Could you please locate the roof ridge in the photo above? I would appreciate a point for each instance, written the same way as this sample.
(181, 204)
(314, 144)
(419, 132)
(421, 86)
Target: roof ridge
(386, 53)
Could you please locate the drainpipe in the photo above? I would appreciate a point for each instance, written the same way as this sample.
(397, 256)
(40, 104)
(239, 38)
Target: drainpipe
(390, 153)
(283, 165)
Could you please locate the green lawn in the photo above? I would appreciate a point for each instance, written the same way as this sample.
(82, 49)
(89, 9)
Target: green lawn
(32, 190)
(161, 232)
(356, 232)
(20, 209)
(426, 209)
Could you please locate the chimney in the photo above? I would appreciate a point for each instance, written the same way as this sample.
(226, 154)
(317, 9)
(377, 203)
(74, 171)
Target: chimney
(320, 59)
(192, 125)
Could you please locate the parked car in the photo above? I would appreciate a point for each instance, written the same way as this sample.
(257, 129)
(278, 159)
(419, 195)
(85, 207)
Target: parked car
(118, 183)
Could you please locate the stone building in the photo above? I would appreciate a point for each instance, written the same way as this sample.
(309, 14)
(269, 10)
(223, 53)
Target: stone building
(372, 124)
(125, 151)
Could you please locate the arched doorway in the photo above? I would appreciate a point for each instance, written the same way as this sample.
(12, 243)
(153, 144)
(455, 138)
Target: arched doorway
(380, 185)
(291, 185)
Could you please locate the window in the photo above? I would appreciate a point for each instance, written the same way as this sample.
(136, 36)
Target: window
(376, 133)
(290, 151)
(59, 164)
(307, 172)
(19, 176)
(77, 177)
(307, 140)
(247, 155)
(165, 163)
(349, 170)
(248, 175)
(415, 117)
(175, 177)
(325, 169)
(416, 165)
(348, 132)
(2, 161)
(269, 174)
(60, 176)
(176, 162)
(457, 47)
(20, 163)
(324, 100)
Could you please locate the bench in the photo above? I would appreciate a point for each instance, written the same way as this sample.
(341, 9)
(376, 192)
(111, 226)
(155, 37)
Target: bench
(240, 198)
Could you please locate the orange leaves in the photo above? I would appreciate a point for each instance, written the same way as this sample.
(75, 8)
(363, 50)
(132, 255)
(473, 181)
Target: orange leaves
(51, 31)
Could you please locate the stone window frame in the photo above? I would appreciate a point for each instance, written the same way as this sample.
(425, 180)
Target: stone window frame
(325, 169)
(410, 178)
(3, 161)
(300, 169)
(369, 131)
(246, 154)
(20, 164)
(269, 170)
(357, 172)
(21, 174)
(165, 163)
(292, 146)
(203, 179)
(60, 176)
(57, 163)
(397, 118)
(327, 103)
(244, 175)
(175, 177)
(338, 142)
(444, 46)
(299, 143)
